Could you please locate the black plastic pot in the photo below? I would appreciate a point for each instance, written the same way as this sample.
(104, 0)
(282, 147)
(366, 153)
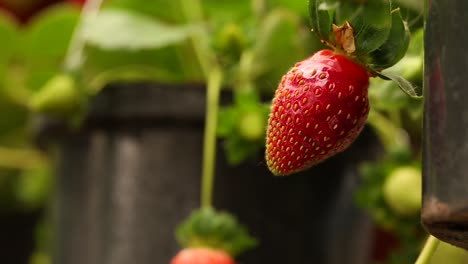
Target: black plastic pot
(132, 173)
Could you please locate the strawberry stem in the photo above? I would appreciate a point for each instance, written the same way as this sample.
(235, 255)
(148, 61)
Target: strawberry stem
(213, 74)
(428, 250)
(209, 147)
(74, 56)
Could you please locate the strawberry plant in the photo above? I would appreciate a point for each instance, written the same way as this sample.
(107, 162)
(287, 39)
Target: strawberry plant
(321, 104)
(25, 66)
(366, 38)
(34, 44)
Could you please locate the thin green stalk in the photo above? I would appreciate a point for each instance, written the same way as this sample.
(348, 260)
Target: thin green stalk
(209, 148)
(213, 74)
(428, 250)
(74, 56)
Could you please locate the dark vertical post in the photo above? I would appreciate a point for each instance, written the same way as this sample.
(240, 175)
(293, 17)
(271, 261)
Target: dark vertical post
(445, 174)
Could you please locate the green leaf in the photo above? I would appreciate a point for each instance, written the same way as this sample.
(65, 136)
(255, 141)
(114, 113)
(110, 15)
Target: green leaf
(369, 38)
(168, 11)
(404, 84)
(394, 47)
(115, 29)
(8, 35)
(373, 12)
(160, 65)
(43, 45)
(227, 10)
(47, 37)
(296, 6)
(321, 13)
(371, 21)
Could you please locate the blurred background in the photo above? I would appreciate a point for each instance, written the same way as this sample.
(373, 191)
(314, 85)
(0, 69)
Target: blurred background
(101, 128)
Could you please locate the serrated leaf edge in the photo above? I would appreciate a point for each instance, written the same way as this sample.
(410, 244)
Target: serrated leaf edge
(406, 86)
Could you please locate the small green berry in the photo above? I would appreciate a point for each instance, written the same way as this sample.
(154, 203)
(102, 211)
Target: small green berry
(252, 126)
(402, 190)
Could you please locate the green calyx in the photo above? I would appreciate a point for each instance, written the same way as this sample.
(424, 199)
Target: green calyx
(219, 230)
(371, 32)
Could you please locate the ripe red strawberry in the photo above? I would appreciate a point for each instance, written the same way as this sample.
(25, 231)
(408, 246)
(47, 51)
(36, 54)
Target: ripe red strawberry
(202, 256)
(319, 109)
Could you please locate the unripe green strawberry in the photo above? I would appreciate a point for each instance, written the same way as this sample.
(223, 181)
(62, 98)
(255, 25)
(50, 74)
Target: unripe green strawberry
(202, 256)
(402, 190)
(319, 109)
(252, 125)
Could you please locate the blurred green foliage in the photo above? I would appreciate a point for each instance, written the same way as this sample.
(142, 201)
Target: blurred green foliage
(255, 42)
